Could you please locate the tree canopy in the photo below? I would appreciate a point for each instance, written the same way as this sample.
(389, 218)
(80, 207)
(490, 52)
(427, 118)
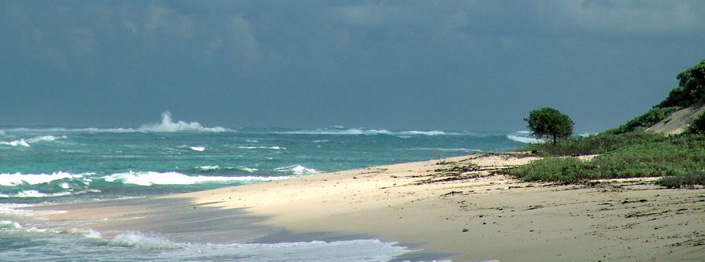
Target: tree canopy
(550, 123)
(690, 90)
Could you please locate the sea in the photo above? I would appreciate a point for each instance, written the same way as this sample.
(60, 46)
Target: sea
(48, 166)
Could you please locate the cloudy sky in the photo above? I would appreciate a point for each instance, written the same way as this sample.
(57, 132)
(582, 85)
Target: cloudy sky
(450, 65)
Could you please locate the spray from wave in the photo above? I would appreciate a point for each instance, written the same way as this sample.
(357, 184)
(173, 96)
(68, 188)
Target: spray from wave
(169, 126)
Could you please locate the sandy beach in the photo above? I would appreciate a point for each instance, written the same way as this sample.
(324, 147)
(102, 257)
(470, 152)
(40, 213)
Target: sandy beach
(458, 208)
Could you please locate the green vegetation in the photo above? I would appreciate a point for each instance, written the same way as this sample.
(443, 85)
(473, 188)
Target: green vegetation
(690, 90)
(689, 93)
(653, 116)
(594, 144)
(697, 126)
(550, 123)
(628, 151)
(675, 157)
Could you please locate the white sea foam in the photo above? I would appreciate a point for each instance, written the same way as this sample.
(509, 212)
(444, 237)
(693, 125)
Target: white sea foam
(33, 179)
(142, 241)
(297, 170)
(168, 125)
(7, 224)
(208, 168)
(44, 139)
(26, 142)
(198, 148)
(315, 251)
(37, 194)
(247, 169)
(16, 143)
(262, 147)
(524, 137)
(357, 131)
(174, 178)
(445, 149)
(85, 232)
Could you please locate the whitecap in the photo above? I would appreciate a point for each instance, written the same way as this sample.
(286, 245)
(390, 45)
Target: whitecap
(198, 148)
(359, 131)
(444, 149)
(524, 137)
(262, 147)
(33, 179)
(36, 194)
(174, 178)
(16, 143)
(44, 139)
(7, 224)
(247, 169)
(297, 170)
(209, 168)
(142, 241)
(168, 125)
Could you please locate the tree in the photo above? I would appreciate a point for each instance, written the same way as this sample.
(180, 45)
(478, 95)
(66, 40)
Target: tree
(690, 90)
(549, 123)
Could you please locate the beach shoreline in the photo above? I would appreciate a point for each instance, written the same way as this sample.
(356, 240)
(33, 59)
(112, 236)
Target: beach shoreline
(459, 208)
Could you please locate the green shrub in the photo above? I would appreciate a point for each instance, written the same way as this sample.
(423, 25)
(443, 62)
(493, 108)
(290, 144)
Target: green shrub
(687, 180)
(670, 157)
(556, 169)
(697, 126)
(594, 144)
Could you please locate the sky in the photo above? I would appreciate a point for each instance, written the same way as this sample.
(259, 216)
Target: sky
(421, 65)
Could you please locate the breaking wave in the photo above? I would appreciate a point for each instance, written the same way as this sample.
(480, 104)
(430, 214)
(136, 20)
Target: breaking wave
(168, 125)
(357, 131)
(262, 147)
(524, 137)
(217, 167)
(17, 179)
(142, 241)
(37, 194)
(297, 170)
(26, 142)
(444, 149)
(174, 178)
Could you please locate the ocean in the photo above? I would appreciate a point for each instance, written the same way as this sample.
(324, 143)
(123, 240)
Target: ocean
(59, 165)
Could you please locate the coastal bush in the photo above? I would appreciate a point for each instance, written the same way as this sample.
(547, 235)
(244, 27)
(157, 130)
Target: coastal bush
(686, 180)
(669, 157)
(697, 126)
(554, 169)
(594, 144)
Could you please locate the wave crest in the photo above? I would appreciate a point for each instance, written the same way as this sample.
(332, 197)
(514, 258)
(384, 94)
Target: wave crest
(524, 137)
(17, 179)
(370, 132)
(174, 178)
(142, 241)
(297, 170)
(169, 126)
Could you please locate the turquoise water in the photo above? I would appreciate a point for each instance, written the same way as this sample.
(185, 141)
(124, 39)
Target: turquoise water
(40, 166)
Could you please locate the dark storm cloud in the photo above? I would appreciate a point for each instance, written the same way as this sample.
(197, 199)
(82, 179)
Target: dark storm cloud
(382, 64)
